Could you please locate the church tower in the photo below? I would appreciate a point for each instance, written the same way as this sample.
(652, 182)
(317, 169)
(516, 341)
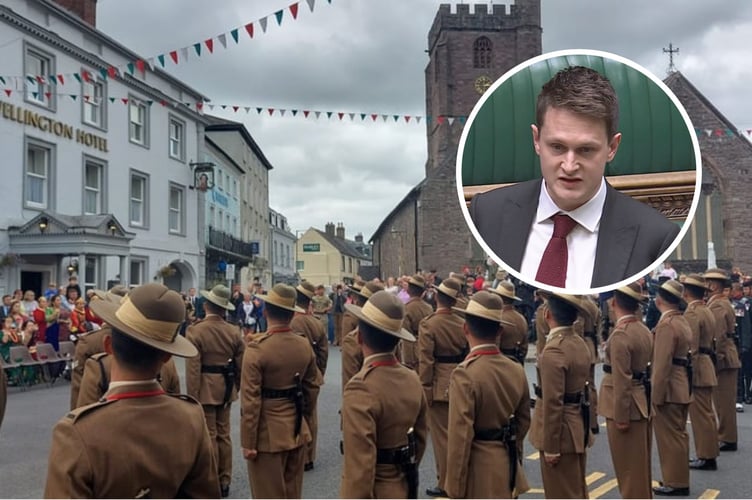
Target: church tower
(469, 49)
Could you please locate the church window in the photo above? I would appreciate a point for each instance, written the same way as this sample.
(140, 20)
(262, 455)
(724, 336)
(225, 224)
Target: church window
(482, 53)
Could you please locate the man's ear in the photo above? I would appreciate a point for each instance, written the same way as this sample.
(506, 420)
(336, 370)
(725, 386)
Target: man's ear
(613, 146)
(107, 341)
(536, 138)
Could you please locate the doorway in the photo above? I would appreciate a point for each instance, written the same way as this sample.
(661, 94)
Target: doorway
(32, 280)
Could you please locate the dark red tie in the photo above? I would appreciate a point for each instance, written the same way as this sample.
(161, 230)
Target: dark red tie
(553, 266)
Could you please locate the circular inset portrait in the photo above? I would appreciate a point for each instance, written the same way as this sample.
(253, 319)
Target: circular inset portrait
(578, 171)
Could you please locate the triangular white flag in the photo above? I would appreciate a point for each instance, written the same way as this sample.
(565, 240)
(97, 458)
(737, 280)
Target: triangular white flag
(317, 113)
(282, 112)
(223, 40)
(262, 22)
(708, 132)
(384, 117)
(247, 109)
(184, 54)
(211, 107)
(150, 62)
(417, 119)
(310, 4)
(450, 119)
(352, 116)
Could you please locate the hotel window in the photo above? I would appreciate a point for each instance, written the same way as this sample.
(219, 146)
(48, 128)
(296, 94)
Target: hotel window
(138, 271)
(37, 174)
(210, 222)
(235, 226)
(220, 219)
(176, 216)
(219, 180)
(276, 254)
(93, 187)
(38, 66)
(139, 197)
(177, 139)
(94, 103)
(138, 126)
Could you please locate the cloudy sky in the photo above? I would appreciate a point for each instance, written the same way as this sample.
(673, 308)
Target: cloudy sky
(367, 56)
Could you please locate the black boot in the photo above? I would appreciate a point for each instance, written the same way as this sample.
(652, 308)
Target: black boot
(703, 464)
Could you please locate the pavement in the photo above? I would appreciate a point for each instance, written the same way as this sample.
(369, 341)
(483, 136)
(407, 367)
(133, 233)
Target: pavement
(30, 416)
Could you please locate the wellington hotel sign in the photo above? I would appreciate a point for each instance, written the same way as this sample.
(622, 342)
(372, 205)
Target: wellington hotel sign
(30, 118)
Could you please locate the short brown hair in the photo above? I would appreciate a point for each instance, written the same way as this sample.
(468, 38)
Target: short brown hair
(583, 91)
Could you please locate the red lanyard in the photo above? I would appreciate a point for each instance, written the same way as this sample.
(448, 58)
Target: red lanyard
(278, 330)
(388, 362)
(133, 395)
(488, 352)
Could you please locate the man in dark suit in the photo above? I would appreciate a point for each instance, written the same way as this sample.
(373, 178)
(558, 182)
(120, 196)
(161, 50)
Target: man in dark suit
(571, 228)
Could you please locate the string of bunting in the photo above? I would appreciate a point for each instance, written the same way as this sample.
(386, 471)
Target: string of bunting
(179, 55)
(329, 115)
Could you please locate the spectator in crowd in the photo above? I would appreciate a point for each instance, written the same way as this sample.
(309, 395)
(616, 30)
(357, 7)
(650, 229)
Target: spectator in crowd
(28, 333)
(667, 272)
(73, 283)
(16, 313)
(79, 322)
(391, 286)
(51, 291)
(744, 344)
(247, 315)
(28, 303)
(339, 300)
(5, 308)
(402, 293)
(58, 319)
(40, 319)
(10, 338)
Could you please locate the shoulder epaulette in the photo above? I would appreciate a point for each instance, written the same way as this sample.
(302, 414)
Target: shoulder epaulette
(99, 356)
(184, 397)
(77, 413)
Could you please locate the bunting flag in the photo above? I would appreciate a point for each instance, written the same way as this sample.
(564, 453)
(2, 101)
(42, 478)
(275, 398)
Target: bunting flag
(180, 55)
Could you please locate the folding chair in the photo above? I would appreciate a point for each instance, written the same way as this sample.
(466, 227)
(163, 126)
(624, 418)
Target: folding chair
(21, 355)
(67, 351)
(54, 364)
(13, 370)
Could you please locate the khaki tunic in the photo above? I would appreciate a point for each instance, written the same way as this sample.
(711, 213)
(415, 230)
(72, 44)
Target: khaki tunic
(96, 379)
(485, 390)
(704, 425)
(441, 334)
(352, 356)
(119, 448)
(349, 323)
(271, 361)
(623, 400)
(87, 346)
(313, 330)
(416, 310)
(541, 329)
(375, 416)
(671, 397)
(558, 428)
(724, 396)
(513, 338)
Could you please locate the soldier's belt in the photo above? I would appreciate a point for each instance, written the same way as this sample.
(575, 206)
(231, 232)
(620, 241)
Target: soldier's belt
(503, 434)
(213, 368)
(570, 398)
(393, 456)
(635, 376)
(680, 361)
(278, 393)
(706, 350)
(458, 358)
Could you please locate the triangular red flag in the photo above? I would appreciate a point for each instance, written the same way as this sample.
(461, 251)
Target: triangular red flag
(718, 132)
(112, 71)
(86, 76)
(407, 118)
(60, 79)
(749, 131)
(271, 111)
(441, 119)
(86, 98)
(294, 10)
(125, 100)
(174, 56)
(140, 65)
(199, 105)
(163, 102)
(305, 113)
(235, 108)
(249, 29)
(40, 79)
(374, 116)
(340, 115)
(209, 44)
(48, 95)
(8, 92)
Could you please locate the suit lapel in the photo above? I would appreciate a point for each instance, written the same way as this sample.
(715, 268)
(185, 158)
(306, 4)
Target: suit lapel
(515, 220)
(616, 240)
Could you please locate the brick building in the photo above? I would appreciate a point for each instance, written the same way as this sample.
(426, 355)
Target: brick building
(468, 51)
(723, 211)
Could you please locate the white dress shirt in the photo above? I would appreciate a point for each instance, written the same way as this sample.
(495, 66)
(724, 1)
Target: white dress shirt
(581, 242)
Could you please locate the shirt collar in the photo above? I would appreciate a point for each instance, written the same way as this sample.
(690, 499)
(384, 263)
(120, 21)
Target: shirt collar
(483, 346)
(588, 215)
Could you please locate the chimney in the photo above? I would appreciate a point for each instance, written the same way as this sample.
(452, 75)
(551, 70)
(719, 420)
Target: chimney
(330, 228)
(340, 231)
(359, 238)
(85, 9)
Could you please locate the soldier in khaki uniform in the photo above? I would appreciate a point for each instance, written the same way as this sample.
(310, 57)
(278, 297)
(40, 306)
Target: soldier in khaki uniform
(91, 343)
(213, 377)
(352, 355)
(384, 430)
(671, 379)
(278, 379)
(541, 327)
(97, 376)
(415, 310)
(137, 441)
(313, 330)
(702, 324)
(441, 347)
(727, 367)
(513, 342)
(623, 398)
(586, 327)
(489, 411)
(322, 304)
(560, 429)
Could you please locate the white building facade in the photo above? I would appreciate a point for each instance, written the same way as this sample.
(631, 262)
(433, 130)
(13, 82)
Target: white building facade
(103, 156)
(283, 249)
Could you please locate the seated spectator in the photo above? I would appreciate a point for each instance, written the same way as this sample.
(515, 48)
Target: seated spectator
(40, 318)
(10, 338)
(16, 313)
(79, 322)
(29, 304)
(28, 333)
